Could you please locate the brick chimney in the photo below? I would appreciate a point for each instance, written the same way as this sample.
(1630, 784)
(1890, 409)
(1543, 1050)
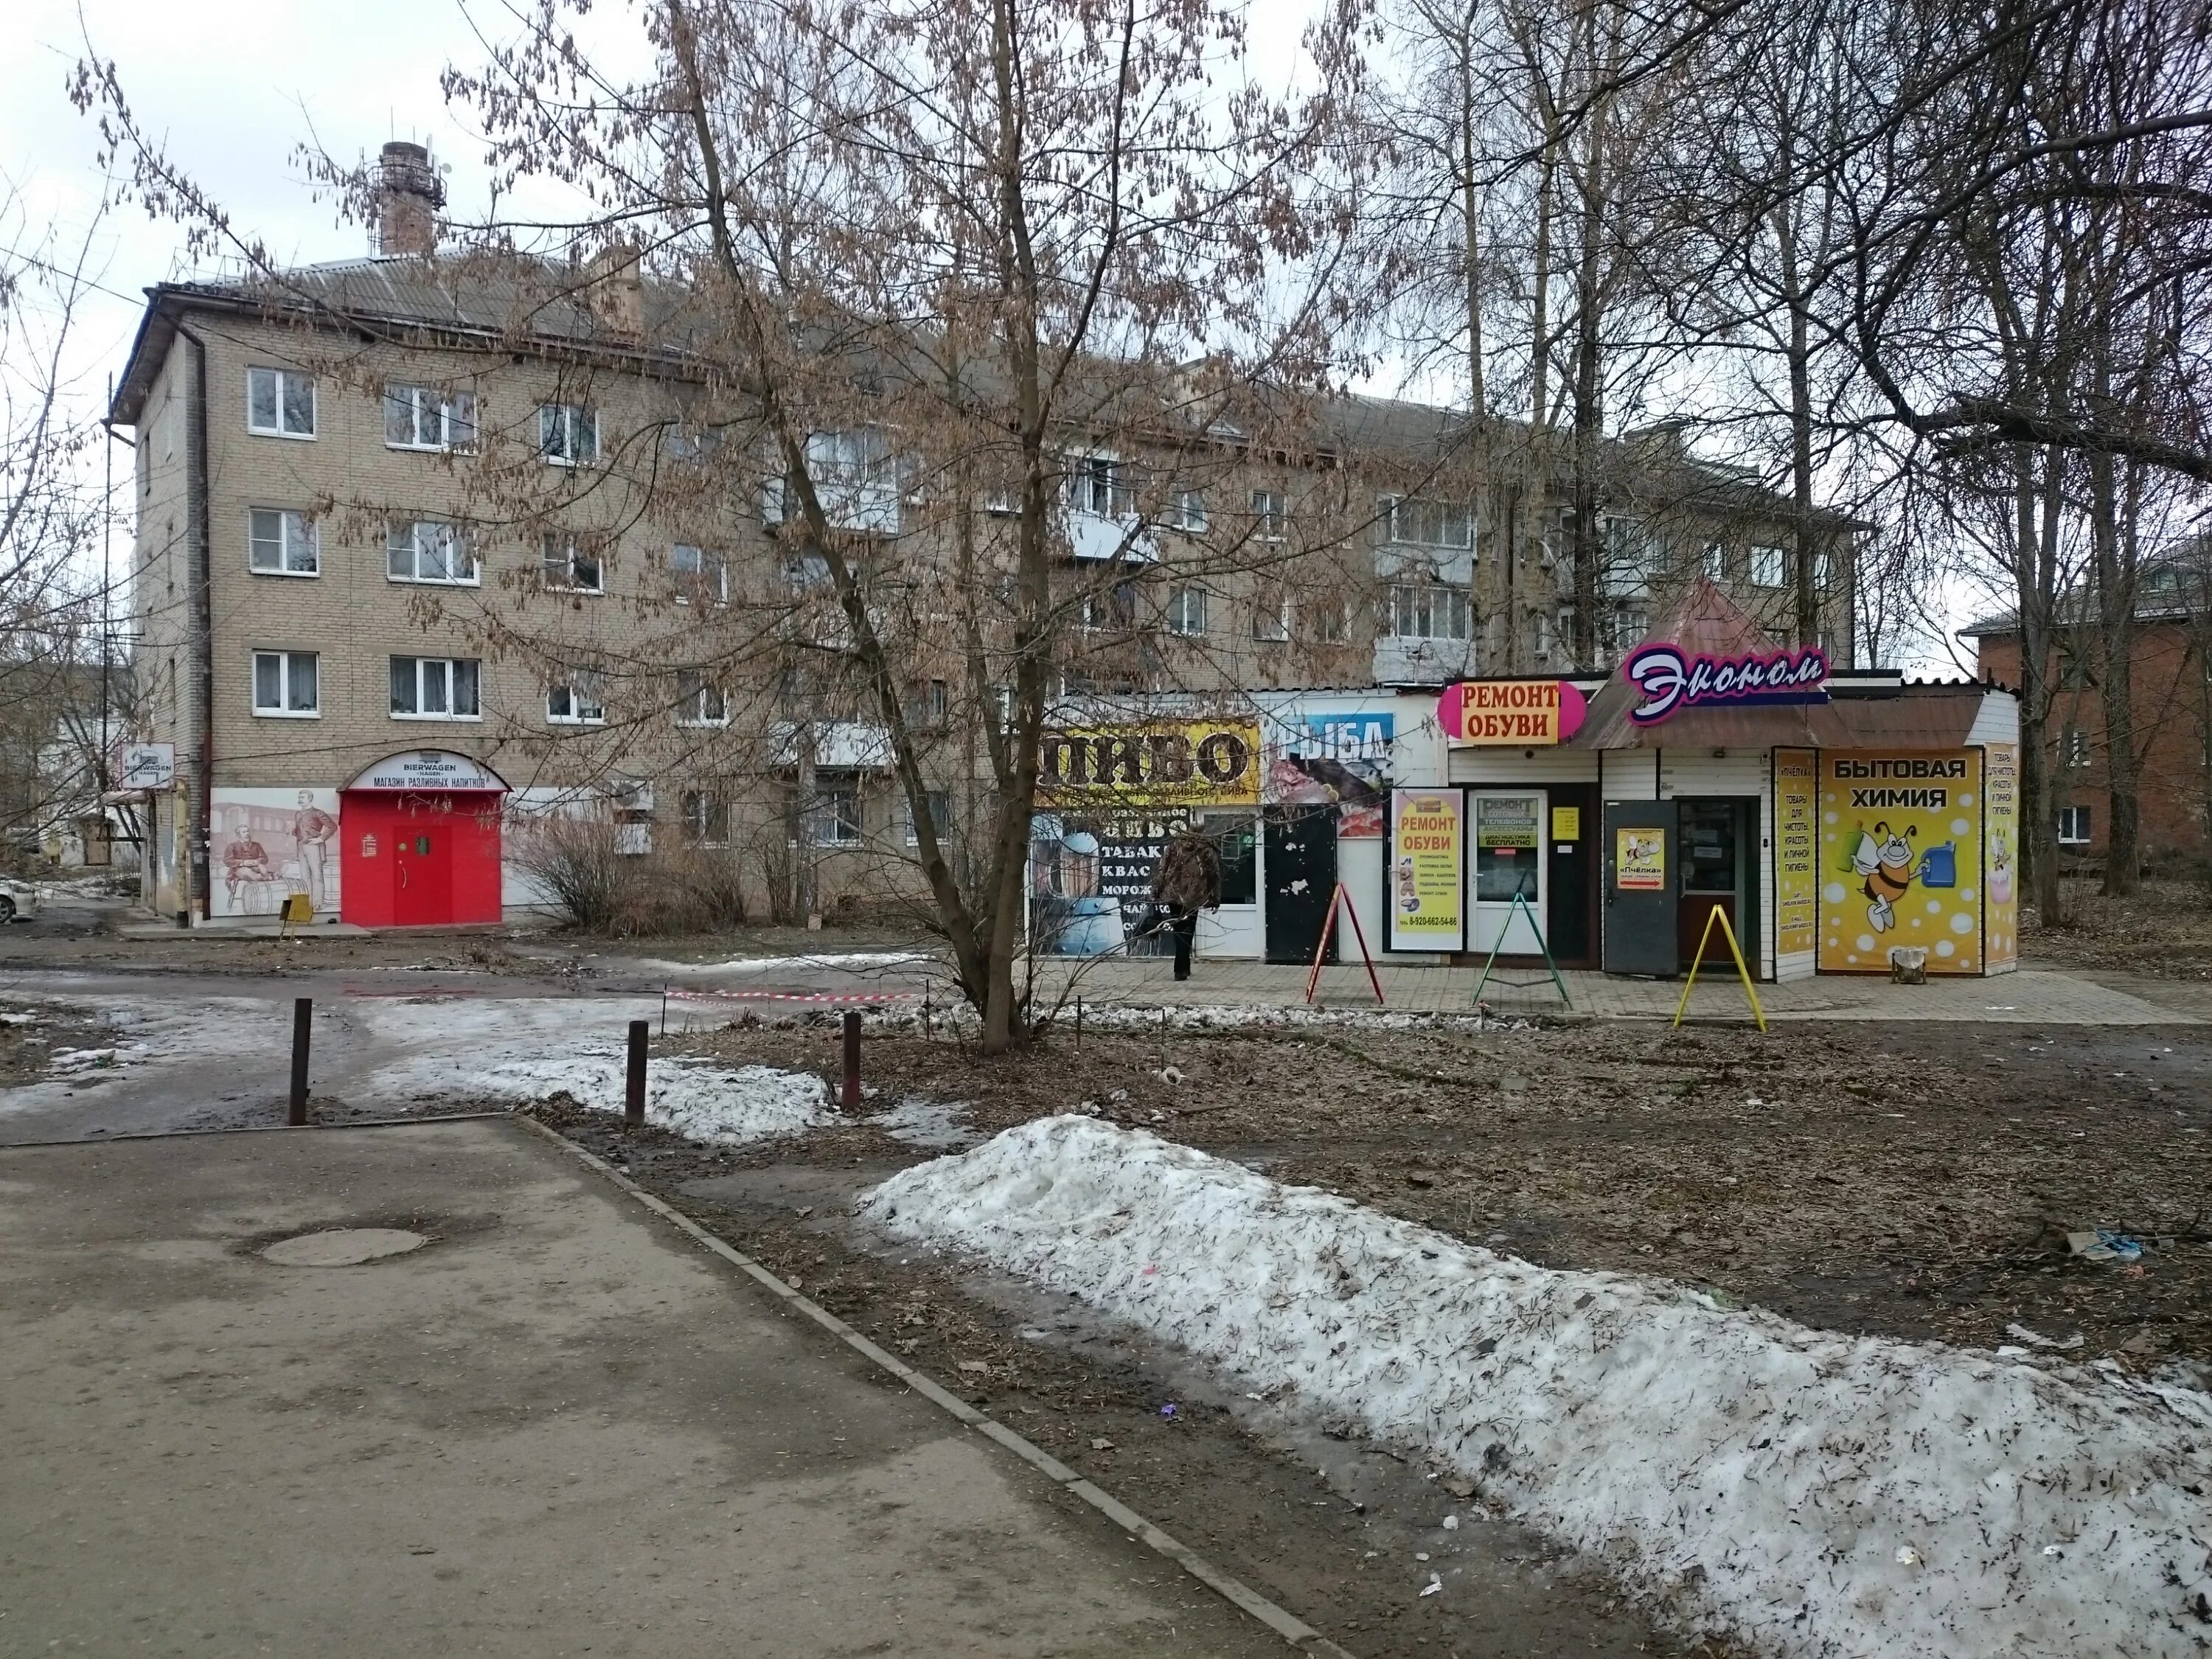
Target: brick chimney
(408, 194)
(615, 289)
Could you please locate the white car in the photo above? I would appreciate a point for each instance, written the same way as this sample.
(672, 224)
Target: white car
(19, 900)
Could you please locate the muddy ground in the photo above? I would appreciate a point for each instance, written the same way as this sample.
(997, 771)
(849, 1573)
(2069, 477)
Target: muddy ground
(30, 1037)
(2164, 931)
(1912, 1182)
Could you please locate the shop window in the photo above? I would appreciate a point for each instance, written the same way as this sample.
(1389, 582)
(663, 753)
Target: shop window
(1236, 836)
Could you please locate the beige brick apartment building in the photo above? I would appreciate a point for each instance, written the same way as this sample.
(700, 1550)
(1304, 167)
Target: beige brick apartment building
(429, 547)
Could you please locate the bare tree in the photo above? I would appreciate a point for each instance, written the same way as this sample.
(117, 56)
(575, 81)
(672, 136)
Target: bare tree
(960, 309)
(52, 758)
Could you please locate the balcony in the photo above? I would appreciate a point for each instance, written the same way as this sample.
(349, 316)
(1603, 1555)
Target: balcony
(1400, 660)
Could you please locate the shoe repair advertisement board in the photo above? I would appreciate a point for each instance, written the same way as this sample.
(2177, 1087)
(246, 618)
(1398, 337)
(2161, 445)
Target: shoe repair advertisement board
(1091, 882)
(1901, 859)
(1427, 907)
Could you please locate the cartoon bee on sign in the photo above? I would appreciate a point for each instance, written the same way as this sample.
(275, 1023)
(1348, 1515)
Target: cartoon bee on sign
(1884, 863)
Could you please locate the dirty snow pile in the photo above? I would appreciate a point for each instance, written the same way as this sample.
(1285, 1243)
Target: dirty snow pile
(851, 962)
(694, 1098)
(530, 1049)
(934, 1125)
(1818, 1494)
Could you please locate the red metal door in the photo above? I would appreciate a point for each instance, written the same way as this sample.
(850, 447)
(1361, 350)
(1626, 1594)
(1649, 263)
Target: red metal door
(423, 868)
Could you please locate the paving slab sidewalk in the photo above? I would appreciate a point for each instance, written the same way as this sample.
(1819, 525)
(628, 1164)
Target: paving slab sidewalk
(2028, 997)
(559, 1428)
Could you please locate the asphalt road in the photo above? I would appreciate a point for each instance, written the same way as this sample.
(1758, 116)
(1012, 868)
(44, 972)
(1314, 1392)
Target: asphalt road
(557, 1427)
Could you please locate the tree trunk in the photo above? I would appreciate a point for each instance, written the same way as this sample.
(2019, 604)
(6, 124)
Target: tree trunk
(1801, 445)
(2038, 848)
(2116, 624)
(1469, 206)
(1589, 407)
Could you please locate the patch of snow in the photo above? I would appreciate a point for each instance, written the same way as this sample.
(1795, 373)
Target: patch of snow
(532, 1048)
(78, 1059)
(935, 1124)
(842, 962)
(157, 1036)
(1819, 1495)
(1209, 1016)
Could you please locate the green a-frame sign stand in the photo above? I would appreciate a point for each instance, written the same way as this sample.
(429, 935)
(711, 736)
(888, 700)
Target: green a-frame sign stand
(1520, 907)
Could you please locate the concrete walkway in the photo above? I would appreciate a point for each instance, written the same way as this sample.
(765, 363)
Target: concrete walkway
(2028, 997)
(558, 1428)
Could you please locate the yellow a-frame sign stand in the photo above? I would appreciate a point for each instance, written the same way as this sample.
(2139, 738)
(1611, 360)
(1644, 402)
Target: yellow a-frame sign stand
(1734, 950)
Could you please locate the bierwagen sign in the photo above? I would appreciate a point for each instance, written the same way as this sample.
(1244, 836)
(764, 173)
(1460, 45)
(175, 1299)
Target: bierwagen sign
(428, 768)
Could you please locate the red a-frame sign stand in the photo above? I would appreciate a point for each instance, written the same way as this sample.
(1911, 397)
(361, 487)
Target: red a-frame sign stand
(1340, 898)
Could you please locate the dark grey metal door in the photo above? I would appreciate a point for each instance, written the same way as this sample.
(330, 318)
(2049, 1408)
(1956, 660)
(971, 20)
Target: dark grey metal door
(1640, 850)
(1301, 877)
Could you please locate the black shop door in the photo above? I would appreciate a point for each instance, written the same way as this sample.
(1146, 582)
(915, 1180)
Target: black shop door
(1301, 869)
(1640, 853)
(1572, 833)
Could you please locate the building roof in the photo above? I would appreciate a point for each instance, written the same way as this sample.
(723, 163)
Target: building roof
(527, 301)
(1706, 622)
(2172, 585)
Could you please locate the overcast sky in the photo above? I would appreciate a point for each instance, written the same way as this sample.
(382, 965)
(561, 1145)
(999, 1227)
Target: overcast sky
(234, 88)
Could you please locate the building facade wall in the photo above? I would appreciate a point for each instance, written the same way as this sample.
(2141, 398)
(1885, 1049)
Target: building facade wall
(2172, 709)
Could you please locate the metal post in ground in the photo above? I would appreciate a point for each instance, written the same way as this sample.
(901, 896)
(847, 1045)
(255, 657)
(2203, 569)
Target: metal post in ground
(1079, 1022)
(850, 1096)
(634, 1085)
(303, 1019)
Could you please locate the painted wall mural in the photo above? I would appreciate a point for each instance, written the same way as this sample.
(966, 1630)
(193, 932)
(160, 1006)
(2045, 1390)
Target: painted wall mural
(1901, 859)
(265, 844)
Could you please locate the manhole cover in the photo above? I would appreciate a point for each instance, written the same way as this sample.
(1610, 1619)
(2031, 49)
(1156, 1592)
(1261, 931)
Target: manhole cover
(348, 1247)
